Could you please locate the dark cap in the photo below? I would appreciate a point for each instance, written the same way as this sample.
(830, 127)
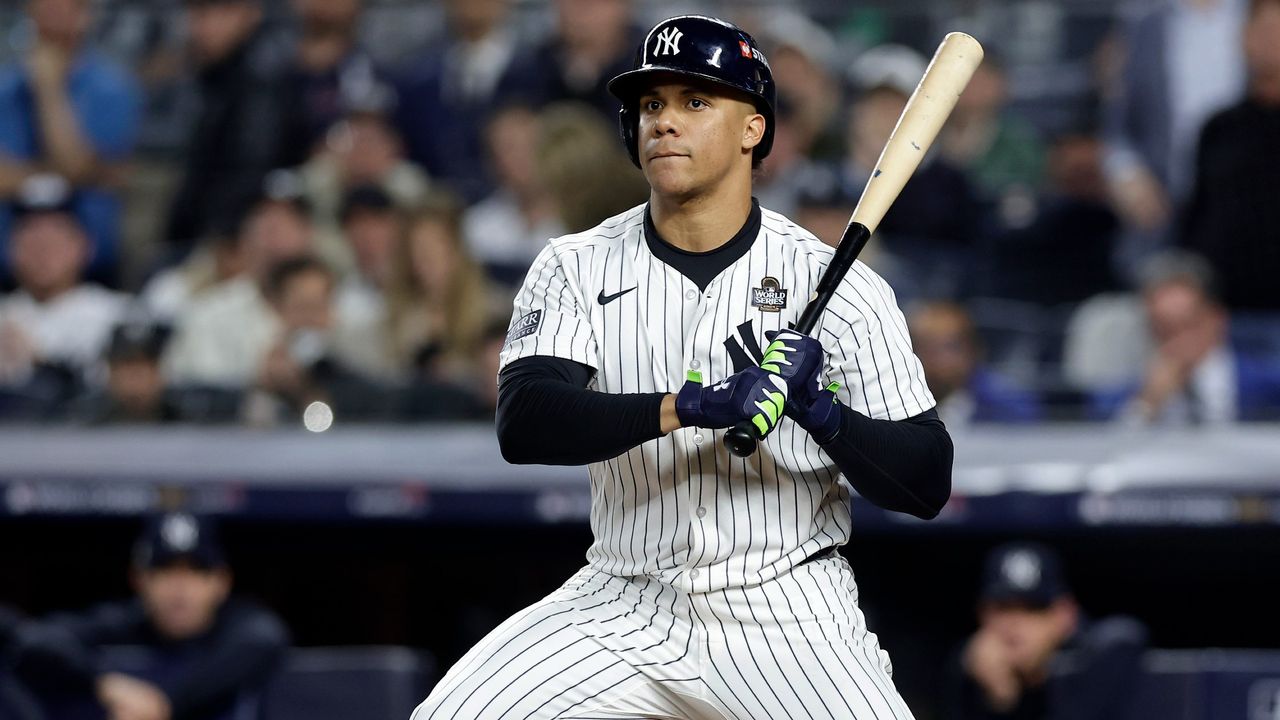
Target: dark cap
(365, 197)
(177, 537)
(137, 340)
(1023, 573)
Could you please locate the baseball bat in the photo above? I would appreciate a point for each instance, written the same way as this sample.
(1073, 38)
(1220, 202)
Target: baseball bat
(946, 77)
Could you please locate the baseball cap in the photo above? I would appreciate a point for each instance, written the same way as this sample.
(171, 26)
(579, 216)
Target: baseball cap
(179, 536)
(893, 66)
(43, 193)
(137, 340)
(365, 197)
(1023, 573)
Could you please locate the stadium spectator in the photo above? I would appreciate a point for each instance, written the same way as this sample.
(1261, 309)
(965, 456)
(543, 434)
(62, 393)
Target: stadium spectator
(1194, 375)
(1035, 654)
(372, 226)
(947, 344)
(67, 109)
(1233, 219)
(1064, 252)
(168, 294)
(236, 138)
(54, 327)
(803, 56)
(328, 67)
(207, 654)
(300, 367)
(781, 180)
(439, 300)
(999, 150)
(361, 149)
(224, 333)
(936, 218)
(135, 391)
(447, 94)
(1181, 63)
(592, 42)
(584, 168)
(506, 230)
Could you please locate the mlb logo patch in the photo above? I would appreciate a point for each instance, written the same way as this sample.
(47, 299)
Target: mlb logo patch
(746, 49)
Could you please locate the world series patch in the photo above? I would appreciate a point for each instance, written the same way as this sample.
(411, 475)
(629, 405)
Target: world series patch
(769, 297)
(525, 326)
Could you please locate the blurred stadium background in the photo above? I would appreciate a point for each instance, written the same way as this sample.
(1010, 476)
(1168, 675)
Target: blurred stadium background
(264, 271)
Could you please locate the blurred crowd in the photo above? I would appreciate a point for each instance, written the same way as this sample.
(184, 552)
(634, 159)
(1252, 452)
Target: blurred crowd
(257, 209)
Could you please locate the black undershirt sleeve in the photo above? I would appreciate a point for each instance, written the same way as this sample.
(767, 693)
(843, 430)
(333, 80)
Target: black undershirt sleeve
(546, 415)
(898, 465)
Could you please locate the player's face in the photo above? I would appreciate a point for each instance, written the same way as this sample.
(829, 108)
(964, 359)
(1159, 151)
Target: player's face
(693, 136)
(180, 600)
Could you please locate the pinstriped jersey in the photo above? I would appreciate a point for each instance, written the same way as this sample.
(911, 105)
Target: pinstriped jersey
(681, 508)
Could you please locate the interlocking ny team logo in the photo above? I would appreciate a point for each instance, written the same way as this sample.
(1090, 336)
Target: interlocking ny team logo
(669, 41)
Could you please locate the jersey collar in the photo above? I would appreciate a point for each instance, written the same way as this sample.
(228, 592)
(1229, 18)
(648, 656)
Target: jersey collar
(703, 267)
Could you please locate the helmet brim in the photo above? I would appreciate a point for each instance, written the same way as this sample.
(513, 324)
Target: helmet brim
(629, 86)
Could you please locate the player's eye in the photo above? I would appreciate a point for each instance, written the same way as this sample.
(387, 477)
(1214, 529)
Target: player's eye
(652, 105)
(697, 104)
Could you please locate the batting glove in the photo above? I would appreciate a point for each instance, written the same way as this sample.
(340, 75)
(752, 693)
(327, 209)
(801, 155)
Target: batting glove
(799, 359)
(753, 394)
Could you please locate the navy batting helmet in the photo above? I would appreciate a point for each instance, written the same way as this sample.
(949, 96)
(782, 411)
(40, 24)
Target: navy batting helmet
(702, 47)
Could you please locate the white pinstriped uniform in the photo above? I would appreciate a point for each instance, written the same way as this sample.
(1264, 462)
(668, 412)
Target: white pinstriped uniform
(694, 602)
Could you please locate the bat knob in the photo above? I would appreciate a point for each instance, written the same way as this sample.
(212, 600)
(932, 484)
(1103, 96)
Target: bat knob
(741, 439)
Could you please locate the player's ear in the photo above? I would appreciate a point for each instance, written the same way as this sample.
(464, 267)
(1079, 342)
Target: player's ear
(752, 130)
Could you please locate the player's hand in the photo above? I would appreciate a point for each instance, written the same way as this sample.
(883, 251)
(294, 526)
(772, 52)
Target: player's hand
(753, 394)
(799, 360)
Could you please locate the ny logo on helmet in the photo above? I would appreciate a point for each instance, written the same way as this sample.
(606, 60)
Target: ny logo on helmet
(669, 41)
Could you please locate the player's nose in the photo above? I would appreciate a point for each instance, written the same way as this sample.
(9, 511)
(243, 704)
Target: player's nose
(666, 122)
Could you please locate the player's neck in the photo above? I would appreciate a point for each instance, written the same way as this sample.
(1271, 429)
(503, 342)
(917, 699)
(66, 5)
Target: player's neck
(702, 223)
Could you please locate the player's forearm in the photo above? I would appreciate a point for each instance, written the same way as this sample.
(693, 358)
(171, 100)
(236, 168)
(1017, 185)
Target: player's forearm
(903, 465)
(547, 418)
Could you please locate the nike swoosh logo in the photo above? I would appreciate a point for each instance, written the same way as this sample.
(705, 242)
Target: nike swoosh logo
(606, 299)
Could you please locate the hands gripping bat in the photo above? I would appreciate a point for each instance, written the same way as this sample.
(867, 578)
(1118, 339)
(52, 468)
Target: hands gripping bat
(946, 77)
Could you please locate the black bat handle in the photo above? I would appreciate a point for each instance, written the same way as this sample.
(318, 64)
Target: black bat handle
(741, 439)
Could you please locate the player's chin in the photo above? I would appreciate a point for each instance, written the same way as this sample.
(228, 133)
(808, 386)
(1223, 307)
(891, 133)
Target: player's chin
(667, 176)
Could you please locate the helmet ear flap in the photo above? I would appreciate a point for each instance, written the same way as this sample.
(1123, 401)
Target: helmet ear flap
(628, 128)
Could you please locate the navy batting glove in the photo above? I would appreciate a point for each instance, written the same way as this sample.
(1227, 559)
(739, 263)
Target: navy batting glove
(753, 394)
(798, 359)
(821, 418)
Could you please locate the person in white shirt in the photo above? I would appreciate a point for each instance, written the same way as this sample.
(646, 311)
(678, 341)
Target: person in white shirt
(222, 337)
(54, 318)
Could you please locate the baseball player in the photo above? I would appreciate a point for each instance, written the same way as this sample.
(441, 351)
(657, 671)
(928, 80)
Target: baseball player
(713, 588)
